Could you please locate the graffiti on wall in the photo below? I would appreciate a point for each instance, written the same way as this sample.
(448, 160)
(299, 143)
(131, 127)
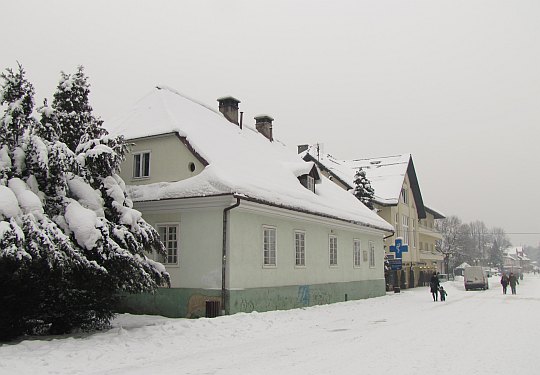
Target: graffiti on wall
(320, 297)
(303, 295)
(246, 306)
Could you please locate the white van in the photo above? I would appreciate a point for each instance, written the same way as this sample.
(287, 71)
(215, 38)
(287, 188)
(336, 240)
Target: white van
(475, 277)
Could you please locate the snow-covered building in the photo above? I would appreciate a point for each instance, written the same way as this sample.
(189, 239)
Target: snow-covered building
(515, 260)
(246, 222)
(397, 199)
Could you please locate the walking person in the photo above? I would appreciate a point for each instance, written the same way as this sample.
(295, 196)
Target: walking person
(443, 293)
(512, 280)
(434, 286)
(504, 282)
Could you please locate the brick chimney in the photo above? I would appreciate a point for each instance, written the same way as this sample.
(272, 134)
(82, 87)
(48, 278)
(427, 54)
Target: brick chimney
(229, 107)
(263, 123)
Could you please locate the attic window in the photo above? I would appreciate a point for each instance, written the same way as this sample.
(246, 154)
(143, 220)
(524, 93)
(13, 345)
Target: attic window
(191, 167)
(311, 183)
(405, 195)
(308, 182)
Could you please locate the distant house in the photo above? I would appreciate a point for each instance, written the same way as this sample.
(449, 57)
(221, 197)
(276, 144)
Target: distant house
(248, 225)
(397, 200)
(515, 260)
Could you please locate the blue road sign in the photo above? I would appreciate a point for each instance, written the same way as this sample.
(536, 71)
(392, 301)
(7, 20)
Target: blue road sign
(395, 264)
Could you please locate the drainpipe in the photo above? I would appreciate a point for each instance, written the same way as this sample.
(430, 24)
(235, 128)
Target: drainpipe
(224, 255)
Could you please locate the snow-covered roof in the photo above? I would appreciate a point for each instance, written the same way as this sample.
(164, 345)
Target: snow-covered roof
(240, 161)
(436, 213)
(516, 253)
(386, 174)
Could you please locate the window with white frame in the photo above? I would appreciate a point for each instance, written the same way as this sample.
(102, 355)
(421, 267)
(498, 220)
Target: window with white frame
(169, 235)
(396, 224)
(333, 248)
(371, 254)
(300, 248)
(405, 223)
(405, 195)
(310, 183)
(269, 246)
(357, 253)
(141, 164)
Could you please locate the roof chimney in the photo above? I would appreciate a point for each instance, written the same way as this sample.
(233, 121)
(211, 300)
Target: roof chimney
(302, 148)
(229, 107)
(263, 123)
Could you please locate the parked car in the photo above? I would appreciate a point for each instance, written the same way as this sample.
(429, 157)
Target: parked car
(475, 277)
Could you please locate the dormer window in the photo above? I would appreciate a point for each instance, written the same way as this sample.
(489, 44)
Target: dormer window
(308, 182)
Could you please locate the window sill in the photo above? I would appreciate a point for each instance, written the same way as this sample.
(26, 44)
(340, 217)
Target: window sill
(170, 265)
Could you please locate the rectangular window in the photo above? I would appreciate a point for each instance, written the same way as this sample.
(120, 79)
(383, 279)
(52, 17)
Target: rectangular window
(310, 183)
(169, 234)
(333, 250)
(300, 248)
(269, 246)
(357, 253)
(405, 195)
(141, 165)
(405, 223)
(396, 225)
(371, 254)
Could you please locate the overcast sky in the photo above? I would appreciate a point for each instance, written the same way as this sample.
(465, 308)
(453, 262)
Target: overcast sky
(454, 83)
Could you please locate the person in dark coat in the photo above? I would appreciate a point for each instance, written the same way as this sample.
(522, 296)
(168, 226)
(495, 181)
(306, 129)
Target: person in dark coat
(504, 282)
(434, 286)
(443, 293)
(512, 280)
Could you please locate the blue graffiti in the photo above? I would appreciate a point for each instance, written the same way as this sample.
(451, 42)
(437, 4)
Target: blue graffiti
(303, 294)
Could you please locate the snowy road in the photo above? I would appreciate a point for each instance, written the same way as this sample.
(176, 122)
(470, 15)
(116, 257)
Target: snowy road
(475, 332)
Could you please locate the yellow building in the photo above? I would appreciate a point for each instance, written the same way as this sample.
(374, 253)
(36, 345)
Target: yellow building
(398, 200)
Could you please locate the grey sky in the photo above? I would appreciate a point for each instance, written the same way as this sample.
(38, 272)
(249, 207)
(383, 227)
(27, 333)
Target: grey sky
(455, 83)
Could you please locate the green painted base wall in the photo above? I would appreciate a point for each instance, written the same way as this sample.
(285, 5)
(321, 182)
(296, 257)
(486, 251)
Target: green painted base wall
(170, 302)
(191, 303)
(290, 297)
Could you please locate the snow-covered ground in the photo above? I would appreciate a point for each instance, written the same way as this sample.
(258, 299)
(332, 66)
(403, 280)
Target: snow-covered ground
(475, 332)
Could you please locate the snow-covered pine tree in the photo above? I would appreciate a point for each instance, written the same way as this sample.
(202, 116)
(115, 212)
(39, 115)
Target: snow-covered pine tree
(362, 188)
(72, 110)
(34, 253)
(70, 241)
(17, 94)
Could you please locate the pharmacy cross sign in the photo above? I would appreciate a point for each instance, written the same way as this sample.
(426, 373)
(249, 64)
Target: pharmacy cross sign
(399, 248)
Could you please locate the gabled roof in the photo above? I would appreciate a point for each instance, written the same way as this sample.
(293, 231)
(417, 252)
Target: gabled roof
(386, 174)
(239, 161)
(436, 214)
(516, 253)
